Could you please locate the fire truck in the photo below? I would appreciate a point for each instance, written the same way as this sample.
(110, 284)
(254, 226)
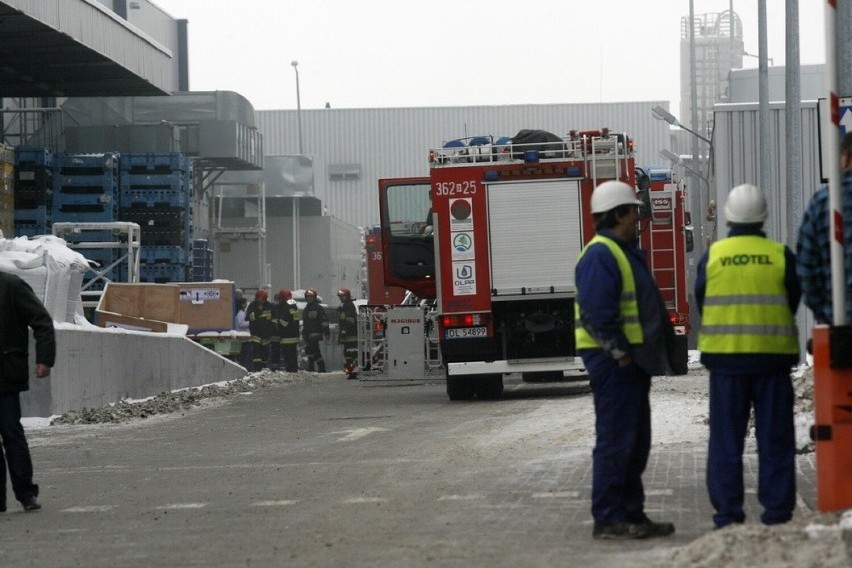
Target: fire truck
(493, 235)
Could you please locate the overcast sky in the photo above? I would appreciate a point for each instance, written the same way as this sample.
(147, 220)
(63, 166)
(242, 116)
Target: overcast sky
(402, 53)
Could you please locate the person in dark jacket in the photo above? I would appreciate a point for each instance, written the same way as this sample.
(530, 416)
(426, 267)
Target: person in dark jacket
(287, 318)
(261, 327)
(624, 336)
(347, 318)
(314, 328)
(20, 310)
(748, 293)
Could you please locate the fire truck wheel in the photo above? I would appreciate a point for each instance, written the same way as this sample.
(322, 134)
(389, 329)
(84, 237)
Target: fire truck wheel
(460, 388)
(542, 376)
(489, 387)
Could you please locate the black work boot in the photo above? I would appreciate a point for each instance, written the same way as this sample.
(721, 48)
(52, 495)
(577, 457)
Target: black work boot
(320, 366)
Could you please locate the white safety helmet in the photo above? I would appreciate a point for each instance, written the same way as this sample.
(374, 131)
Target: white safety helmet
(746, 204)
(611, 194)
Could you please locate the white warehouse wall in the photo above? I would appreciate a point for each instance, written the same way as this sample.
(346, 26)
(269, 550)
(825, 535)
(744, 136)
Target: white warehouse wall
(394, 142)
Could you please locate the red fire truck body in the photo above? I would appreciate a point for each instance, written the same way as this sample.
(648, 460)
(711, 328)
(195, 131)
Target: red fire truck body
(494, 238)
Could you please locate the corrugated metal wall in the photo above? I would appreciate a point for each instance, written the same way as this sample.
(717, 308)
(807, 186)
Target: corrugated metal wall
(395, 142)
(736, 161)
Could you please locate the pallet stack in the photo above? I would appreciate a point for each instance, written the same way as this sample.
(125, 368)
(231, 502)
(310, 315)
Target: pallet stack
(85, 190)
(33, 191)
(7, 195)
(202, 261)
(156, 193)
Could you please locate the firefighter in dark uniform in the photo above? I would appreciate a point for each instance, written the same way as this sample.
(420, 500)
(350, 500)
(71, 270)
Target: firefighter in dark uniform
(275, 338)
(287, 318)
(261, 327)
(748, 293)
(347, 317)
(314, 328)
(624, 336)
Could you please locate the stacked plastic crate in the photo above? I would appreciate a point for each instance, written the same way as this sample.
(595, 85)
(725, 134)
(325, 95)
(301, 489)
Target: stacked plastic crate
(156, 193)
(7, 196)
(33, 191)
(85, 190)
(202, 261)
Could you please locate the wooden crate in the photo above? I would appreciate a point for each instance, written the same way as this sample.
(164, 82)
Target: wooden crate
(148, 307)
(206, 306)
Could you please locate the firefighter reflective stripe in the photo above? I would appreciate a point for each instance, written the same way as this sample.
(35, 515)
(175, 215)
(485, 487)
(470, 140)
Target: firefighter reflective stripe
(745, 305)
(629, 308)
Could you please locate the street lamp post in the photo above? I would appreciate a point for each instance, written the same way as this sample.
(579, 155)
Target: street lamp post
(662, 114)
(295, 65)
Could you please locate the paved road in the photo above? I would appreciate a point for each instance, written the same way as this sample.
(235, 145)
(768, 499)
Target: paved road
(337, 473)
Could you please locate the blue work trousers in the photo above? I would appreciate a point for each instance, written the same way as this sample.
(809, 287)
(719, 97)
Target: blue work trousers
(622, 444)
(15, 452)
(731, 399)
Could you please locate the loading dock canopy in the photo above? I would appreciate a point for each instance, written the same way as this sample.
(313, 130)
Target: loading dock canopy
(73, 48)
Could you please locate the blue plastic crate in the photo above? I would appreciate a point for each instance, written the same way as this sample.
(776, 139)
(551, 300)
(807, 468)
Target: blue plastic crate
(159, 162)
(36, 216)
(87, 164)
(163, 272)
(202, 275)
(82, 184)
(102, 199)
(33, 155)
(166, 254)
(154, 197)
(84, 213)
(30, 229)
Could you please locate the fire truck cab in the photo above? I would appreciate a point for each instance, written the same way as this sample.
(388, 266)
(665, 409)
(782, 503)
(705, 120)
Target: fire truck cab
(493, 235)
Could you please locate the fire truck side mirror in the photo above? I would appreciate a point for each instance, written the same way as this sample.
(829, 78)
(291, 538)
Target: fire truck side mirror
(645, 208)
(690, 244)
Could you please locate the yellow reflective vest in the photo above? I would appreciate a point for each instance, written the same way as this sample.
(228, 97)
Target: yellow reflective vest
(745, 303)
(629, 307)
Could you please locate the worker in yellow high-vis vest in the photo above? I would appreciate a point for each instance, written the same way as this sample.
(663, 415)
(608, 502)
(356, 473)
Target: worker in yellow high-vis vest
(748, 293)
(624, 336)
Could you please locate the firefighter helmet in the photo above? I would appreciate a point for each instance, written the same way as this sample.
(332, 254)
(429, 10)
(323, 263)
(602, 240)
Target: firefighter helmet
(345, 293)
(261, 295)
(310, 293)
(610, 194)
(746, 204)
(285, 294)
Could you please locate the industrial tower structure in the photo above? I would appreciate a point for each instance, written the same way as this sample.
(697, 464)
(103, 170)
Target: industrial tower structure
(718, 49)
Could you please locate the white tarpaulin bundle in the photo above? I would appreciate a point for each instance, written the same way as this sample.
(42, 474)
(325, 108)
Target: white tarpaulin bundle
(54, 271)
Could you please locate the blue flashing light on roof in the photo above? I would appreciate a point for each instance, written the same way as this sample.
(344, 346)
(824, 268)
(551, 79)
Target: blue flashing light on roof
(492, 175)
(531, 156)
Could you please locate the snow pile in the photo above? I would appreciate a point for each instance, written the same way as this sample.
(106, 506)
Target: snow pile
(808, 541)
(183, 399)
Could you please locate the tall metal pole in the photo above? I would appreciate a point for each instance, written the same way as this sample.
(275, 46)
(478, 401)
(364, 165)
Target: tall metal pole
(763, 98)
(793, 120)
(296, 214)
(695, 185)
(832, 150)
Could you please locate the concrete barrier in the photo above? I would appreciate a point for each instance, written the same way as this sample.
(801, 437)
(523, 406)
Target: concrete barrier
(95, 367)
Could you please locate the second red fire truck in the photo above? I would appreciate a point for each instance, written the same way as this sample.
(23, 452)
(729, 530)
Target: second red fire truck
(493, 235)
